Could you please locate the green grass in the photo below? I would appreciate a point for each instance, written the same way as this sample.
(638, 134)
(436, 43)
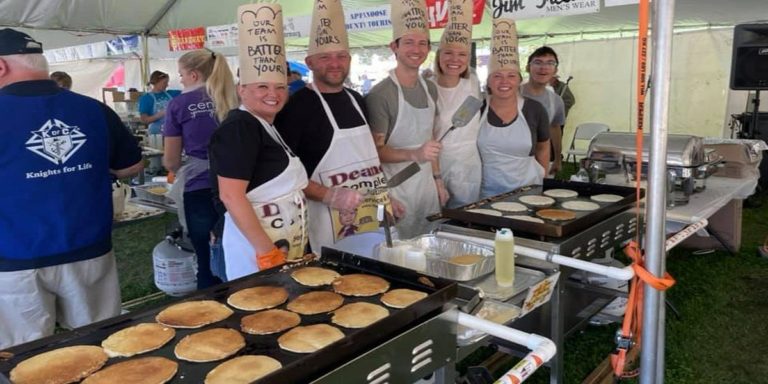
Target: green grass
(723, 302)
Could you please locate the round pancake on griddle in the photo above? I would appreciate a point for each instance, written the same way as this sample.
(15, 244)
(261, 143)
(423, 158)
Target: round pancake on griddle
(242, 370)
(577, 205)
(258, 298)
(537, 200)
(509, 206)
(359, 284)
(143, 370)
(556, 214)
(269, 321)
(60, 366)
(401, 298)
(310, 338)
(314, 276)
(560, 193)
(209, 345)
(312, 303)
(606, 198)
(358, 315)
(526, 218)
(193, 314)
(483, 211)
(137, 339)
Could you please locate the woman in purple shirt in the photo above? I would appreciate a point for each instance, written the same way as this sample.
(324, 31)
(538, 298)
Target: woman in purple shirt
(190, 120)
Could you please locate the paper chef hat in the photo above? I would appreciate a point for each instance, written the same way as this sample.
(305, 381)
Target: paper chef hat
(458, 31)
(262, 48)
(504, 54)
(328, 32)
(409, 16)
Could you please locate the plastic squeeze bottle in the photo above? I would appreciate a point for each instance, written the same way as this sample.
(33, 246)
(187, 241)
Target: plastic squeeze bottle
(505, 257)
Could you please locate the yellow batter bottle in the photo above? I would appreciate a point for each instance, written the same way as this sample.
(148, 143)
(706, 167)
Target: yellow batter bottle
(505, 257)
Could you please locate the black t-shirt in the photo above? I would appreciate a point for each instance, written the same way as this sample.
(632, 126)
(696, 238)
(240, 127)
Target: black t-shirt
(242, 149)
(307, 130)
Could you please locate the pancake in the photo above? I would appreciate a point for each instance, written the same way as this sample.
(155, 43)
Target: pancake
(143, 370)
(269, 321)
(606, 198)
(314, 276)
(509, 206)
(401, 298)
(60, 366)
(467, 259)
(358, 315)
(310, 338)
(560, 193)
(137, 339)
(526, 218)
(193, 314)
(537, 200)
(312, 303)
(556, 214)
(242, 370)
(359, 284)
(577, 205)
(209, 345)
(257, 298)
(482, 211)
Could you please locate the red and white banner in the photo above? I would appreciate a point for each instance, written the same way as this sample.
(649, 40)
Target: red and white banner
(437, 11)
(186, 39)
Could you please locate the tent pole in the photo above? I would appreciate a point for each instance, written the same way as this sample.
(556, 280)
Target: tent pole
(145, 59)
(652, 351)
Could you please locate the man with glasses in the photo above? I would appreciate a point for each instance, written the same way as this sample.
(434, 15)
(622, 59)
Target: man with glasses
(542, 67)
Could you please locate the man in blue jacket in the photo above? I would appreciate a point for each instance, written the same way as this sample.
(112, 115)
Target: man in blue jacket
(58, 155)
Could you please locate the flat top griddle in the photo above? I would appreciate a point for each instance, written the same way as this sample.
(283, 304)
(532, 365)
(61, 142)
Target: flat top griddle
(297, 367)
(584, 219)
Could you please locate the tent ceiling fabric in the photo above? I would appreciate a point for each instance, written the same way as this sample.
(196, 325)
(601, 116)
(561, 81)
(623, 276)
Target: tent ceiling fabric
(96, 20)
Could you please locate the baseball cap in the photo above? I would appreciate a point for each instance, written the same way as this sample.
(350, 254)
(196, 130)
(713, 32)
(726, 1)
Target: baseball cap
(13, 42)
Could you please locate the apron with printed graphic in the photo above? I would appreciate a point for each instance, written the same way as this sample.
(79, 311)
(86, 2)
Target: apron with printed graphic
(418, 194)
(459, 158)
(280, 207)
(505, 153)
(351, 161)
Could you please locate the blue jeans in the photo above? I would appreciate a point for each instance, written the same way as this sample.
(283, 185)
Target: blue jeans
(218, 267)
(201, 217)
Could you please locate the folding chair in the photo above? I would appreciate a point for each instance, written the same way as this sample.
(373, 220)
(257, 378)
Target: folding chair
(584, 132)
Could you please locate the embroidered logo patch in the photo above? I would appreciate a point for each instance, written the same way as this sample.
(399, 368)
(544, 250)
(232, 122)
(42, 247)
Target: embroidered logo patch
(56, 141)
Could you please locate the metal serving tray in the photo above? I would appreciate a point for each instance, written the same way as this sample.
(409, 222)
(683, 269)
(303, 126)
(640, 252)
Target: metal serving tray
(297, 367)
(582, 221)
(682, 150)
(437, 254)
(143, 192)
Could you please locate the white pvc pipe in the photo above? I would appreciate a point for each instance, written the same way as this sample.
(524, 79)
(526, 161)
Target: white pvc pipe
(542, 349)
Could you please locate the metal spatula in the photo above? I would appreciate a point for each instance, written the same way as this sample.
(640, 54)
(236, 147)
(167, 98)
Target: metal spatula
(464, 114)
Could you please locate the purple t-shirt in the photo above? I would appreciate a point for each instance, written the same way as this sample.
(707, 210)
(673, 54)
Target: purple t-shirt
(191, 115)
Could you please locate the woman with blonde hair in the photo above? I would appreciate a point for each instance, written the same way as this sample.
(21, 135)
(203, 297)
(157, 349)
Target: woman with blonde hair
(190, 120)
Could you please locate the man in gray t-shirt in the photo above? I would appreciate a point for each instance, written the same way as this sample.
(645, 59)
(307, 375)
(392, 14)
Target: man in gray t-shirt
(542, 67)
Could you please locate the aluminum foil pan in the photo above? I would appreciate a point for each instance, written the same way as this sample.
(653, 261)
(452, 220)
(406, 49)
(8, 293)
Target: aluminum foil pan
(431, 255)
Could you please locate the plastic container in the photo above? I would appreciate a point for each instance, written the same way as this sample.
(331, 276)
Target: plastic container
(504, 248)
(174, 267)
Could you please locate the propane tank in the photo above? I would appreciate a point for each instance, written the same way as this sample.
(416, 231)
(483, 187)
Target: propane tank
(175, 266)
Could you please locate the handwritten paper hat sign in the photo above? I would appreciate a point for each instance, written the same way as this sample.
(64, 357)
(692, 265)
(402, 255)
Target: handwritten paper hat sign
(409, 16)
(262, 49)
(458, 31)
(504, 54)
(328, 32)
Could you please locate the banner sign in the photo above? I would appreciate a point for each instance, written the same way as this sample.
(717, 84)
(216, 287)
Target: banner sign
(186, 39)
(221, 36)
(437, 11)
(614, 3)
(122, 45)
(368, 19)
(531, 9)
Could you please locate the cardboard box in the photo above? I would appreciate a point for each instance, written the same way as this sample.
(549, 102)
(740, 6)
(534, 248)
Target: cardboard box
(726, 223)
(125, 96)
(740, 162)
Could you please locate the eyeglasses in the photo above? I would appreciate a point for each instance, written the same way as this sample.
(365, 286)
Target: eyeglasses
(539, 63)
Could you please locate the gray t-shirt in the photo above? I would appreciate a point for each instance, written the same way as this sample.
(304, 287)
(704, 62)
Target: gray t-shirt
(381, 103)
(549, 99)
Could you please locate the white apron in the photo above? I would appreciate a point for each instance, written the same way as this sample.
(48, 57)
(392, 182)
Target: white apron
(280, 206)
(351, 161)
(505, 153)
(459, 159)
(418, 194)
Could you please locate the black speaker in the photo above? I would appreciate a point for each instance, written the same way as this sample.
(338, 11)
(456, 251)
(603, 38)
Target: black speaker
(749, 68)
